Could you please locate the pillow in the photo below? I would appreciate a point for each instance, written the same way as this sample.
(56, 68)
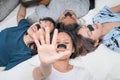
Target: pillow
(6, 6)
(103, 63)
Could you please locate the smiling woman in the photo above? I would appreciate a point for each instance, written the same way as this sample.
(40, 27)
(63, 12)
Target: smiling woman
(106, 28)
(19, 40)
(55, 59)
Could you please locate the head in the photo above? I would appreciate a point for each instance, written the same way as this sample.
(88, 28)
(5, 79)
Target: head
(34, 30)
(68, 17)
(67, 41)
(42, 23)
(92, 32)
(70, 27)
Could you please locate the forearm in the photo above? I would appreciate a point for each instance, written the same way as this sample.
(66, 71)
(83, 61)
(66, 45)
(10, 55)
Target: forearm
(45, 69)
(41, 72)
(44, 2)
(21, 13)
(116, 9)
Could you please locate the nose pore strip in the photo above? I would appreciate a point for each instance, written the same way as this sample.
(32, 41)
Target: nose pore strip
(61, 46)
(90, 27)
(38, 26)
(68, 14)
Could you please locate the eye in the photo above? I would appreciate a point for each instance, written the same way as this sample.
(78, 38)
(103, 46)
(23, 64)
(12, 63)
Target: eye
(66, 42)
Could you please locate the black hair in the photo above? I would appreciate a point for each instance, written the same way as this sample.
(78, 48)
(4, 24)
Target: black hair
(74, 39)
(49, 19)
(85, 45)
(68, 27)
(73, 29)
(88, 45)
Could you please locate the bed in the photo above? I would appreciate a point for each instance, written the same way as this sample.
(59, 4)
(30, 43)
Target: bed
(103, 63)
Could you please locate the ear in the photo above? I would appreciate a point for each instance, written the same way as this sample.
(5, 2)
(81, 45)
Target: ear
(96, 43)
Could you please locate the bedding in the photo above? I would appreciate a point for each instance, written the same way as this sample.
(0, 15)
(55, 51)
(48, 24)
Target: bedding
(103, 63)
(6, 6)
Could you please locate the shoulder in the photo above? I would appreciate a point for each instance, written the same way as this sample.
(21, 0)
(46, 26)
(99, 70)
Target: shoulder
(23, 22)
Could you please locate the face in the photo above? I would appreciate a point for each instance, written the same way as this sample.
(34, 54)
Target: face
(94, 34)
(34, 29)
(64, 38)
(68, 19)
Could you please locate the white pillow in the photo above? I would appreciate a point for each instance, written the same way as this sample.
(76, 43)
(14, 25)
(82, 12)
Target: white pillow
(103, 63)
(6, 6)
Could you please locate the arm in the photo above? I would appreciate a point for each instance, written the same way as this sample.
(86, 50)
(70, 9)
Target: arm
(44, 2)
(116, 9)
(21, 13)
(41, 72)
(47, 53)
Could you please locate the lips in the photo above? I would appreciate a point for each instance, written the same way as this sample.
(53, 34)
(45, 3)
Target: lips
(68, 14)
(96, 26)
(33, 28)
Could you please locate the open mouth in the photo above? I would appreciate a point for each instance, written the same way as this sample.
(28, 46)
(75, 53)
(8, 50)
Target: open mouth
(68, 14)
(38, 26)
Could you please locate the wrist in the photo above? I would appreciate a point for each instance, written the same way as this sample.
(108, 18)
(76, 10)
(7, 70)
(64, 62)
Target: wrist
(45, 69)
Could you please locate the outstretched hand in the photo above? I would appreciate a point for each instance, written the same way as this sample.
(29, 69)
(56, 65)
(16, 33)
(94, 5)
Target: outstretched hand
(46, 50)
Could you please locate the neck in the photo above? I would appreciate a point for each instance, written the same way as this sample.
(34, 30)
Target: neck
(62, 66)
(27, 39)
(107, 27)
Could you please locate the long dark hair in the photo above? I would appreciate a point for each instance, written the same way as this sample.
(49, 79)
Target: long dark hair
(87, 43)
(75, 41)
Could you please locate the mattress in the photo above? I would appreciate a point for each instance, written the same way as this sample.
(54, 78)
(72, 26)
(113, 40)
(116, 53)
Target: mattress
(103, 63)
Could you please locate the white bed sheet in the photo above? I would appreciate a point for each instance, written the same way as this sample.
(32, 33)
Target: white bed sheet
(103, 63)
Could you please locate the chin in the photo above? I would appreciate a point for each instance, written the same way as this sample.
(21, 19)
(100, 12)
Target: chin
(64, 59)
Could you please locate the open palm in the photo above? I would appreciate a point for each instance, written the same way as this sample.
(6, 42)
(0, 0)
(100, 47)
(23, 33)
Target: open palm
(46, 51)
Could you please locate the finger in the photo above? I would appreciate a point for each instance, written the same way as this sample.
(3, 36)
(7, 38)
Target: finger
(47, 35)
(36, 41)
(42, 36)
(55, 34)
(62, 54)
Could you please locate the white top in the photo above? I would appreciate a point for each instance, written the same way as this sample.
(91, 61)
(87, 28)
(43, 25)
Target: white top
(57, 7)
(77, 73)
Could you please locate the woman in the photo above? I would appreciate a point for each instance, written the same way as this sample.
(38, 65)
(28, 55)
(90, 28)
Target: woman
(55, 8)
(16, 43)
(55, 55)
(106, 28)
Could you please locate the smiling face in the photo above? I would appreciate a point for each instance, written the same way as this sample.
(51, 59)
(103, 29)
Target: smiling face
(42, 23)
(68, 18)
(94, 34)
(65, 39)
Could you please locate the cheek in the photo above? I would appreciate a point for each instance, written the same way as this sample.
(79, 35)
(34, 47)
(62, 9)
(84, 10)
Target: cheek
(69, 47)
(96, 35)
